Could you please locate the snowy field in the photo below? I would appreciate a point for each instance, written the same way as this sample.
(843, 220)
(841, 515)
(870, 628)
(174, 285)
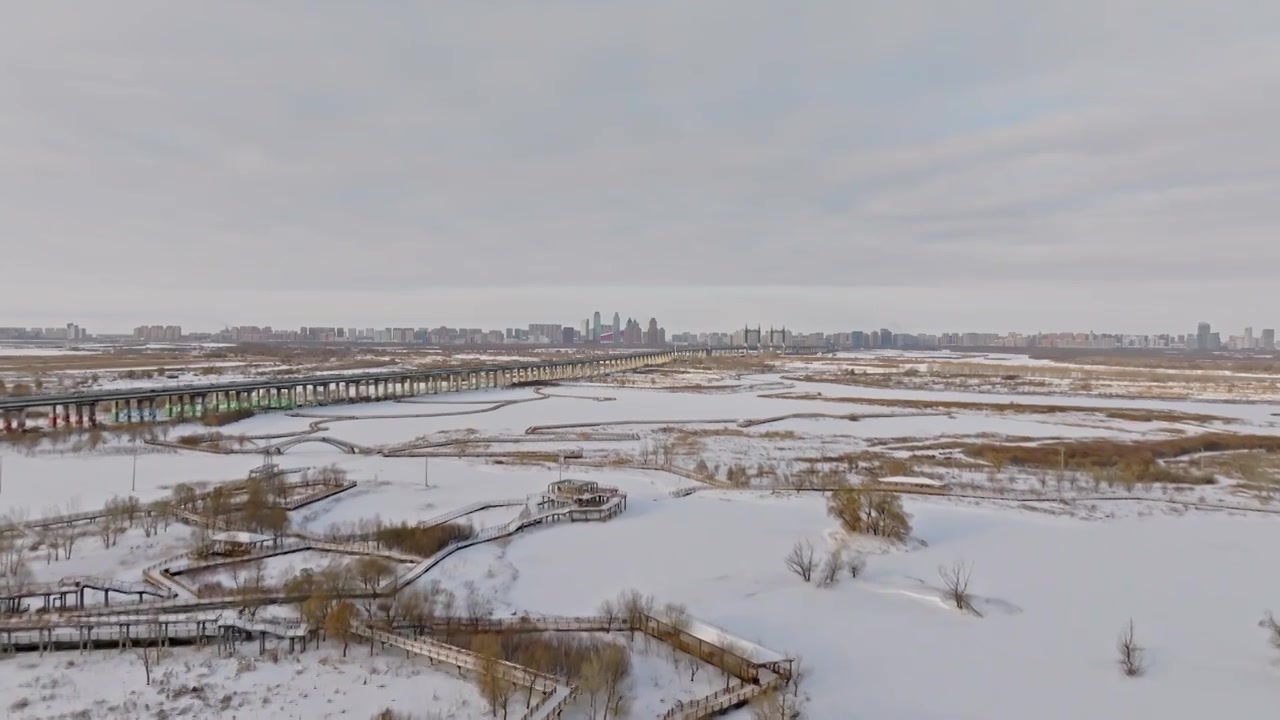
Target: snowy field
(1055, 593)
(1055, 583)
(197, 683)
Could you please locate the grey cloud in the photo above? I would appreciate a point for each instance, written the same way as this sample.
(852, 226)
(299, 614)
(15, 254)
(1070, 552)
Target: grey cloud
(372, 149)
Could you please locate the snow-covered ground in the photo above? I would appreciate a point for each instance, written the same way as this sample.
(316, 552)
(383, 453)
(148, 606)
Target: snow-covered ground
(1055, 592)
(1055, 589)
(197, 683)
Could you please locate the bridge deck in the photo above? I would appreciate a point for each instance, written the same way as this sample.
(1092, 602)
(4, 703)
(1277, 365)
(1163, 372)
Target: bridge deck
(136, 393)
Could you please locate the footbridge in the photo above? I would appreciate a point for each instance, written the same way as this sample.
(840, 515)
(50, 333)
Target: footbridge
(142, 404)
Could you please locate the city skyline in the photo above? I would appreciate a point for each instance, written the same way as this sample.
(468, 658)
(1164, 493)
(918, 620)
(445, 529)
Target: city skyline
(815, 307)
(591, 332)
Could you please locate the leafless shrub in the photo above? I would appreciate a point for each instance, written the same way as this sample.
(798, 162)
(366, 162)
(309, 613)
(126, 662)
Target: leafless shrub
(1132, 663)
(496, 689)
(829, 573)
(870, 512)
(635, 607)
(801, 560)
(777, 705)
(476, 606)
(677, 616)
(604, 679)
(955, 580)
(798, 673)
(422, 541)
(856, 564)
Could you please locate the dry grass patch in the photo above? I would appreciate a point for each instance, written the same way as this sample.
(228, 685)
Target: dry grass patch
(225, 417)
(683, 435)
(1137, 460)
(1129, 414)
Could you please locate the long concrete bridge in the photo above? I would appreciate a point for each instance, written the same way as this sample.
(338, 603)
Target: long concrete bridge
(143, 403)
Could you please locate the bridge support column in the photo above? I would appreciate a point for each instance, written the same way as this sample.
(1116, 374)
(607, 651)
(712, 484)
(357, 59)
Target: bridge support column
(53, 416)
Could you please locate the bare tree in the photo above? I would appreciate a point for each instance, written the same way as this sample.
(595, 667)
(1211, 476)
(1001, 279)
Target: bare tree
(798, 673)
(694, 664)
(163, 510)
(636, 608)
(801, 560)
(492, 682)
(1132, 663)
(50, 538)
(614, 672)
(338, 622)
(106, 528)
(609, 613)
(68, 538)
(14, 546)
(150, 521)
(476, 606)
(250, 582)
(955, 580)
(146, 662)
(829, 573)
(677, 617)
(602, 680)
(371, 572)
(151, 655)
(15, 578)
(1273, 626)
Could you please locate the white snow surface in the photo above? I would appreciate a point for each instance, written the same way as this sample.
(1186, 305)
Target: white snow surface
(1055, 590)
(908, 480)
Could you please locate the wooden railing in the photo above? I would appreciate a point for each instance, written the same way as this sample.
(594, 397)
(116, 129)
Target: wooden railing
(557, 692)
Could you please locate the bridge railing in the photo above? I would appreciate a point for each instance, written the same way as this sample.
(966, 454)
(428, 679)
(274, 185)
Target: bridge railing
(86, 397)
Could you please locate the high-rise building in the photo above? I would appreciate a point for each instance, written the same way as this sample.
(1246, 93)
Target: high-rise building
(634, 334)
(595, 327)
(1268, 339)
(1202, 336)
(545, 332)
(617, 325)
(651, 334)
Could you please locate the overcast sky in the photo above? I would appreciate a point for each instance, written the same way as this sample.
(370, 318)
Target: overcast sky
(981, 165)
